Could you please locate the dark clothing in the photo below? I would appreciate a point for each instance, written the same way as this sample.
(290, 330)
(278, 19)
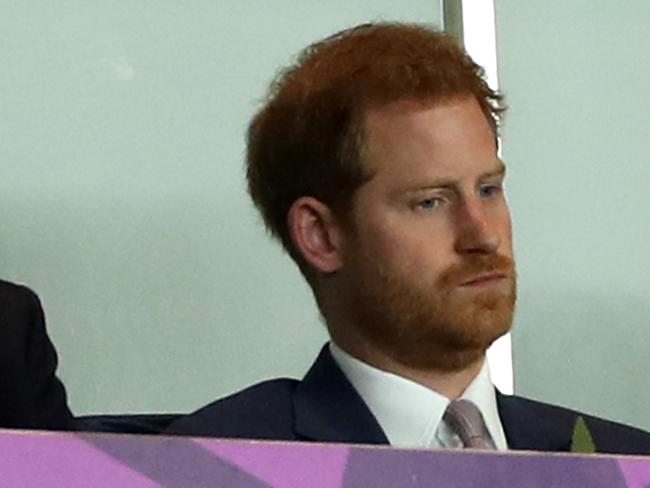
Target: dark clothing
(325, 407)
(31, 396)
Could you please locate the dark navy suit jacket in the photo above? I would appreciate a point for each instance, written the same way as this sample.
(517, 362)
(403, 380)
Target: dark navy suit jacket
(325, 407)
(31, 396)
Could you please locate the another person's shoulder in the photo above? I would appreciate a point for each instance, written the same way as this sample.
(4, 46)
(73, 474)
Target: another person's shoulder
(33, 397)
(261, 411)
(20, 313)
(20, 310)
(13, 293)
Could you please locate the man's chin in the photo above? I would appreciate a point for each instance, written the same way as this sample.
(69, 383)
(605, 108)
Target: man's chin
(434, 329)
(451, 348)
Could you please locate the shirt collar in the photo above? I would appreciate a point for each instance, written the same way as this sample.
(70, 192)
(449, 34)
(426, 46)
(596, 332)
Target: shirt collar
(410, 413)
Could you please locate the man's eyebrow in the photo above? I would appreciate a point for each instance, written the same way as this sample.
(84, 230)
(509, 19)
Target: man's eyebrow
(499, 170)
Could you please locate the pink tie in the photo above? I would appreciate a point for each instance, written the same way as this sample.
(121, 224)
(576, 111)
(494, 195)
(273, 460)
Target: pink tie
(465, 419)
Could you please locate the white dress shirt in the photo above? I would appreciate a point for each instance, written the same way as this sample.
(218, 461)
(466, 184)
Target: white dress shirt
(409, 413)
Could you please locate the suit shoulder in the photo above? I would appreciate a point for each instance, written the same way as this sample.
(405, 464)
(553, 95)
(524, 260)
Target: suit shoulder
(608, 436)
(543, 409)
(13, 292)
(557, 411)
(28, 361)
(21, 315)
(261, 411)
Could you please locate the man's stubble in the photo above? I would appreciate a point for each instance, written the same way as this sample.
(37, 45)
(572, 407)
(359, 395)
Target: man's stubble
(433, 324)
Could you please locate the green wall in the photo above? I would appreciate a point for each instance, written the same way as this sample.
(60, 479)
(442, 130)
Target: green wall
(122, 200)
(576, 139)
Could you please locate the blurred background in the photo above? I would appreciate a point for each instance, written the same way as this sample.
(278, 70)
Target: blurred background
(123, 203)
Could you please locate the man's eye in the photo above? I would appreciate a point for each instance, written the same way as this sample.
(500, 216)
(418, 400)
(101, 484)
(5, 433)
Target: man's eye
(430, 203)
(487, 191)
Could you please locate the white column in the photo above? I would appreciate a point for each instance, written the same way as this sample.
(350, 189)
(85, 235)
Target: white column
(473, 22)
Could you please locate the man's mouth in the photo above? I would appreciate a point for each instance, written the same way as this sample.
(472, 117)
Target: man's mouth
(484, 279)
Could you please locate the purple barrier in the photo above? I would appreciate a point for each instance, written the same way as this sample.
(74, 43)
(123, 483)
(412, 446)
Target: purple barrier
(47, 459)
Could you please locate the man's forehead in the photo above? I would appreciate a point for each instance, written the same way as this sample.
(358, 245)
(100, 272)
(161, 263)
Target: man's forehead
(408, 105)
(439, 140)
(411, 117)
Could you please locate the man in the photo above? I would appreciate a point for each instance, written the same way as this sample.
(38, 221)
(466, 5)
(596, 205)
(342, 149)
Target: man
(31, 396)
(374, 161)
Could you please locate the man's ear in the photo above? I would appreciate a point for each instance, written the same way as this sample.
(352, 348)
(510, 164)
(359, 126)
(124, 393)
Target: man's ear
(316, 233)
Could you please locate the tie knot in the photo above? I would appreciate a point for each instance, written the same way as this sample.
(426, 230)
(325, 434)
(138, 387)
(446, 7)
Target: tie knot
(466, 420)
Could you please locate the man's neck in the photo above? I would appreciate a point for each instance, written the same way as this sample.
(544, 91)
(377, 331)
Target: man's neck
(451, 384)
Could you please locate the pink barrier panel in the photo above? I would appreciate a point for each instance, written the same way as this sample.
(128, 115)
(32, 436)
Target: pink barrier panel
(47, 459)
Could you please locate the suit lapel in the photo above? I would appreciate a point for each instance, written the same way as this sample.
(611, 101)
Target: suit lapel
(329, 409)
(536, 426)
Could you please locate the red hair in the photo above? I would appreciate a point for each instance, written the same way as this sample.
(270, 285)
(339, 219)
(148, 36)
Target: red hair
(307, 139)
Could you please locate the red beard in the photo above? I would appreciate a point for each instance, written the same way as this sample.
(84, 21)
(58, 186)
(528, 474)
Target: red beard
(437, 325)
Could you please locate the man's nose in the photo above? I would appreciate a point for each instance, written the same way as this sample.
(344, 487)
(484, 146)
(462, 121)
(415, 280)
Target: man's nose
(475, 230)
